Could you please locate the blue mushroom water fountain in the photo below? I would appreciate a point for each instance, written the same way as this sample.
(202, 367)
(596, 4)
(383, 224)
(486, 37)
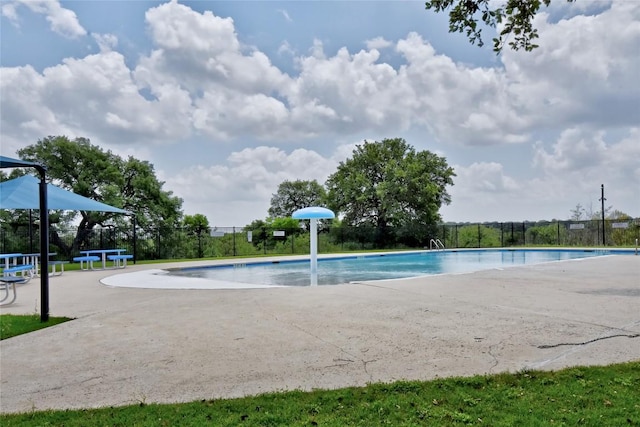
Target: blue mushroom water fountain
(313, 214)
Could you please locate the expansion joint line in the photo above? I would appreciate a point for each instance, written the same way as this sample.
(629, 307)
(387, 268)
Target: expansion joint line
(590, 341)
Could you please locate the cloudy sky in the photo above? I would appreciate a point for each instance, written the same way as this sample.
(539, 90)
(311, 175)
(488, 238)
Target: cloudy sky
(229, 99)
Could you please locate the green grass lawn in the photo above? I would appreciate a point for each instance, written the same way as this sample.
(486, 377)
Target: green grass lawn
(12, 325)
(579, 396)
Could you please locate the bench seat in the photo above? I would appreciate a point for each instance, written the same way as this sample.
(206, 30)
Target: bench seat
(123, 256)
(16, 268)
(12, 279)
(25, 270)
(86, 259)
(119, 261)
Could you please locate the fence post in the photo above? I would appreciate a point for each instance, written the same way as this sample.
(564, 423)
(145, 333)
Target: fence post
(558, 233)
(234, 242)
(135, 241)
(512, 237)
(502, 235)
(524, 233)
(456, 230)
(479, 236)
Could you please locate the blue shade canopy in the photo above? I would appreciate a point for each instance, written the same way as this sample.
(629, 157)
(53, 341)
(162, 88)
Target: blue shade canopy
(8, 162)
(313, 212)
(24, 193)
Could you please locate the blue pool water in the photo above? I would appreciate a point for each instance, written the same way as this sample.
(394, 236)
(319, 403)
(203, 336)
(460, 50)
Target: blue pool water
(341, 270)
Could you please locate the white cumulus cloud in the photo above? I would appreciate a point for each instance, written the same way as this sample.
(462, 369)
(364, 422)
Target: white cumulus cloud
(62, 20)
(571, 106)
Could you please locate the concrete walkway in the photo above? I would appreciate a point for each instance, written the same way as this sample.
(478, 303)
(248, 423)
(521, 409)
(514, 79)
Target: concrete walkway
(143, 345)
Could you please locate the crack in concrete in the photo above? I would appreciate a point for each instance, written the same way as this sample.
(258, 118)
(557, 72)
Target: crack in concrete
(589, 341)
(574, 347)
(496, 361)
(73, 383)
(493, 356)
(364, 365)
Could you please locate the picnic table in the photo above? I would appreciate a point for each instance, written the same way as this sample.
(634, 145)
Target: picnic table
(118, 257)
(12, 268)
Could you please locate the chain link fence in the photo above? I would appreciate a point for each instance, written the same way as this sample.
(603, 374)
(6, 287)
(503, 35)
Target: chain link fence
(241, 241)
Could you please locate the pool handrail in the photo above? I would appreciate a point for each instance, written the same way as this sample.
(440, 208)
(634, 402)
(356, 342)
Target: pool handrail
(437, 243)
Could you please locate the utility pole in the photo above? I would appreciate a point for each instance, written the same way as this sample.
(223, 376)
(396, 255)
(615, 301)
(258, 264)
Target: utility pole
(602, 199)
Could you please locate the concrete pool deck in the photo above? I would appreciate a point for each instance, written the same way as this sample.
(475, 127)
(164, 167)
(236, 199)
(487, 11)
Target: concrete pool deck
(132, 345)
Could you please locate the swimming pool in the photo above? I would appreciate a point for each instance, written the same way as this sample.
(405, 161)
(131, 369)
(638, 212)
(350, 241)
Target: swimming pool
(347, 269)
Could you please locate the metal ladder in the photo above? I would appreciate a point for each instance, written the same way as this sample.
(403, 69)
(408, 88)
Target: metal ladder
(437, 243)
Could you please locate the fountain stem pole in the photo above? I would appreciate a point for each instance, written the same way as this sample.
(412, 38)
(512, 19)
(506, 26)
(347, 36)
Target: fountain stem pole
(313, 213)
(314, 245)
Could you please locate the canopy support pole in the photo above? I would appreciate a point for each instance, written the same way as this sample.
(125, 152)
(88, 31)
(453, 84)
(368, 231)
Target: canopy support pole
(44, 246)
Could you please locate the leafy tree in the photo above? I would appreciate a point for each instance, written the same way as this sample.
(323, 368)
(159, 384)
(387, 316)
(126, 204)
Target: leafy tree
(388, 183)
(88, 170)
(516, 15)
(196, 224)
(289, 224)
(141, 193)
(294, 195)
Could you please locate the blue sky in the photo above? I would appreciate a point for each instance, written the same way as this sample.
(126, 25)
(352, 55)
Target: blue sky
(228, 99)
